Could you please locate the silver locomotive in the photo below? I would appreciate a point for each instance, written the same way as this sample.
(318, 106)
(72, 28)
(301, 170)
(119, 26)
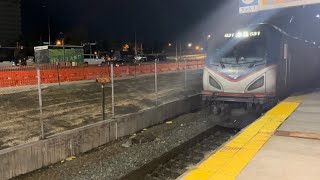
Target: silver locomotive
(256, 66)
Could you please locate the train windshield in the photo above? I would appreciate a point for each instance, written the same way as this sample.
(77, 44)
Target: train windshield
(241, 51)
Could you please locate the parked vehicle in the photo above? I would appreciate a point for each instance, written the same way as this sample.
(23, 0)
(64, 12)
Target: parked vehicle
(93, 59)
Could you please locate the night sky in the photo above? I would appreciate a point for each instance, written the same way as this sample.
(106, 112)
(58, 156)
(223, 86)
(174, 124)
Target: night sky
(153, 20)
(118, 19)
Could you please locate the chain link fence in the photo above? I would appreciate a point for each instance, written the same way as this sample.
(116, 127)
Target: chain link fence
(19, 107)
(37, 102)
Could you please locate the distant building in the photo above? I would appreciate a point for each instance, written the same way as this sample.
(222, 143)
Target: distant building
(10, 21)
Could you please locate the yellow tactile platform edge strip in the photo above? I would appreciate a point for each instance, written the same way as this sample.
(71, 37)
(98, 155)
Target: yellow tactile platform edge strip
(228, 161)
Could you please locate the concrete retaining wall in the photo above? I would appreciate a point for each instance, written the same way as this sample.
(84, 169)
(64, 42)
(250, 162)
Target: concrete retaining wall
(29, 157)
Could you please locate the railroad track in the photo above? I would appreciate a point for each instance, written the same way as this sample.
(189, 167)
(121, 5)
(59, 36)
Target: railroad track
(177, 161)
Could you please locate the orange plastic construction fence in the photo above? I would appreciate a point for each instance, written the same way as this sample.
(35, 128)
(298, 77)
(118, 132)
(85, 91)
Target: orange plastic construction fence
(23, 76)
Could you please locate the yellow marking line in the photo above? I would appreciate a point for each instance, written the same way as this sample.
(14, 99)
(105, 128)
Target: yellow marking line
(229, 160)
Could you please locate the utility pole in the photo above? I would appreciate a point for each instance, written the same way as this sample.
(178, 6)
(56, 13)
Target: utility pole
(156, 81)
(180, 51)
(63, 45)
(176, 50)
(135, 44)
(45, 4)
(64, 51)
(49, 29)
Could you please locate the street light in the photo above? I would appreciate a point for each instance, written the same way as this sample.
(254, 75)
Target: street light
(209, 36)
(170, 45)
(190, 45)
(58, 42)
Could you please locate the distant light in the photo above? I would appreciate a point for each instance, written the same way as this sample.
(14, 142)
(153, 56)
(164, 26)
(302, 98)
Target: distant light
(318, 16)
(59, 42)
(125, 47)
(190, 45)
(209, 36)
(197, 47)
(169, 44)
(202, 49)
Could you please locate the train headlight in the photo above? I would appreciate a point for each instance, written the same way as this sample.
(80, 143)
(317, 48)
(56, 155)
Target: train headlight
(257, 84)
(214, 83)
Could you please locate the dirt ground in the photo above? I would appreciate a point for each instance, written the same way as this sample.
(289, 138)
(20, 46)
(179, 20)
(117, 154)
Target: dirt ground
(113, 161)
(73, 105)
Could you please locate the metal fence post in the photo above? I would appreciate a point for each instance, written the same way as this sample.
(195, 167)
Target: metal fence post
(40, 102)
(135, 70)
(112, 90)
(185, 74)
(112, 99)
(103, 102)
(58, 74)
(64, 51)
(156, 81)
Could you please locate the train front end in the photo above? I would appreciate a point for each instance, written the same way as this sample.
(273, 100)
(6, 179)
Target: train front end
(240, 70)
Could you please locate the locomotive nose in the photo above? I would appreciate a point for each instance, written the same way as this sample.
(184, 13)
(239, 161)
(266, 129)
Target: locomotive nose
(240, 80)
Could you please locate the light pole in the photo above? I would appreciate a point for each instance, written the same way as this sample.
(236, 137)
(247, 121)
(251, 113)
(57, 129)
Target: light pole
(170, 45)
(46, 5)
(176, 51)
(190, 45)
(49, 30)
(206, 43)
(135, 43)
(180, 50)
(64, 52)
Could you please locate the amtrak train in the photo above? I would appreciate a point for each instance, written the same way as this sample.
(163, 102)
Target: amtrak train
(256, 66)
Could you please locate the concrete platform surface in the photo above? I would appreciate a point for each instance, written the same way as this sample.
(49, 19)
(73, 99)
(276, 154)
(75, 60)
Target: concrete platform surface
(285, 158)
(291, 157)
(283, 144)
(306, 119)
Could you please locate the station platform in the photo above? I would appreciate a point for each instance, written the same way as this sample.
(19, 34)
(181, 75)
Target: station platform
(282, 144)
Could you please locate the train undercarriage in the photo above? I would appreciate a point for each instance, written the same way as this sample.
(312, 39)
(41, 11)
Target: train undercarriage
(219, 105)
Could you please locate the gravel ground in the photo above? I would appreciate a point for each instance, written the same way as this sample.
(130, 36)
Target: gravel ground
(112, 161)
(73, 105)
